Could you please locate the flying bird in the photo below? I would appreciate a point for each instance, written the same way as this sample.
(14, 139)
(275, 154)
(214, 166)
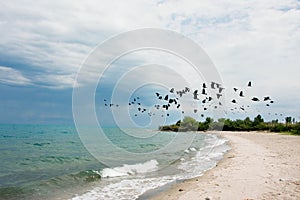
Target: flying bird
(171, 100)
(221, 89)
(187, 89)
(255, 99)
(212, 85)
(242, 94)
(249, 84)
(267, 98)
(219, 95)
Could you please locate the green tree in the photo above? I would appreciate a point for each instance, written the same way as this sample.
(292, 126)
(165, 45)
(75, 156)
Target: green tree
(189, 123)
(258, 119)
(288, 120)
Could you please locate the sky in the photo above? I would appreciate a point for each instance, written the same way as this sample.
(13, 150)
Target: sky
(44, 44)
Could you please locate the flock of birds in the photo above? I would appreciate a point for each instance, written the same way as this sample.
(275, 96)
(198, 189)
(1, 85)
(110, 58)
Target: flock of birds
(207, 98)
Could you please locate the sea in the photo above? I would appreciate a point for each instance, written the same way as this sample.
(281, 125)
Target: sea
(53, 162)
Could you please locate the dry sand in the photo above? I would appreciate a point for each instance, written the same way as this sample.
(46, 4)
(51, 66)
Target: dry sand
(259, 166)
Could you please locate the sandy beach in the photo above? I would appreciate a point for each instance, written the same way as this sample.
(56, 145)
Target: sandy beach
(259, 166)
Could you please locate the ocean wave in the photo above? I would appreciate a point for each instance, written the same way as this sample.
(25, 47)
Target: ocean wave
(127, 170)
(195, 162)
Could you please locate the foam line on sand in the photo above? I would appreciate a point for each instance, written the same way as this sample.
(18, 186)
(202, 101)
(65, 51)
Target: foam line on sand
(259, 166)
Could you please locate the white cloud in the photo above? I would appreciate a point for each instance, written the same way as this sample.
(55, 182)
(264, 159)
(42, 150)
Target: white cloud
(256, 40)
(11, 76)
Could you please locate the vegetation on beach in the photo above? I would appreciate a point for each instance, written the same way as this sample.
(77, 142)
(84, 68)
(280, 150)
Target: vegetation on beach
(257, 124)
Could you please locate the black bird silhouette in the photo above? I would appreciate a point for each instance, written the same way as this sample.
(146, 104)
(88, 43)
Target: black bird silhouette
(255, 99)
(196, 94)
(172, 90)
(233, 101)
(219, 95)
(187, 89)
(178, 105)
(157, 94)
(267, 98)
(212, 85)
(204, 85)
(203, 91)
(271, 101)
(235, 89)
(221, 89)
(166, 97)
(249, 84)
(195, 110)
(241, 94)
(160, 97)
(180, 93)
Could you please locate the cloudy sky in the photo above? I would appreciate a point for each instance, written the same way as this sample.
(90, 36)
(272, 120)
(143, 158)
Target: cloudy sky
(43, 44)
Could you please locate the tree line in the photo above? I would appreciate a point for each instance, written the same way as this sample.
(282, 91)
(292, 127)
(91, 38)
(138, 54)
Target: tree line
(257, 124)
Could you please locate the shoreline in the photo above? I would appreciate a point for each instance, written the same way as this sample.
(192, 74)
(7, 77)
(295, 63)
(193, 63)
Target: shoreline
(259, 165)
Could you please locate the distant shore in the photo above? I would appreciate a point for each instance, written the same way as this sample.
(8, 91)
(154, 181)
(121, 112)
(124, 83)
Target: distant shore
(259, 166)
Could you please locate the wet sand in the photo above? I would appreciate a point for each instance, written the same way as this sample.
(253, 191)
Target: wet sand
(259, 166)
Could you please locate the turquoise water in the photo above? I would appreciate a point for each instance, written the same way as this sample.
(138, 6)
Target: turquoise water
(51, 162)
(36, 157)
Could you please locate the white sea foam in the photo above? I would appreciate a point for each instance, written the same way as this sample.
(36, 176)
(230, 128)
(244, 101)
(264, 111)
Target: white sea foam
(192, 149)
(126, 170)
(195, 161)
(125, 189)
